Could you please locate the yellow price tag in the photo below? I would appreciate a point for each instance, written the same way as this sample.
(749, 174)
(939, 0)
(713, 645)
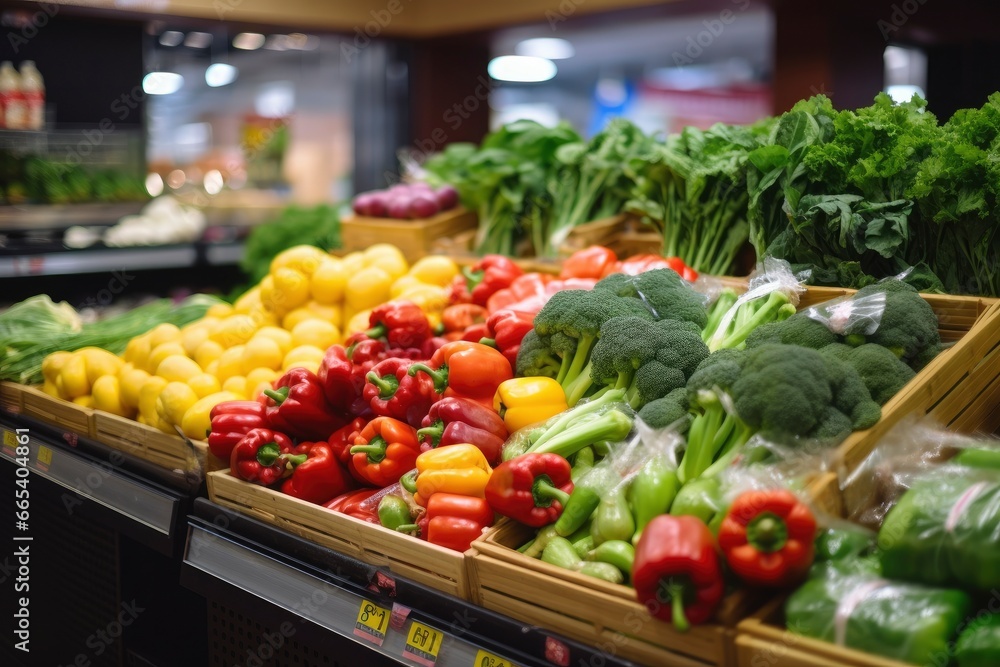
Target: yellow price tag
(9, 439)
(423, 644)
(45, 455)
(485, 659)
(372, 622)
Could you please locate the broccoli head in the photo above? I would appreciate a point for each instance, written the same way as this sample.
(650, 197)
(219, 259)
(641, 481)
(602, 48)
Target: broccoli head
(909, 326)
(535, 358)
(799, 329)
(789, 391)
(662, 292)
(671, 410)
(883, 373)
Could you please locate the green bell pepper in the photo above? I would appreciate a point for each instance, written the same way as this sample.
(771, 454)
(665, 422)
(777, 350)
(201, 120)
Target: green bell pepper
(394, 514)
(979, 644)
(652, 492)
(613, 518)
(700, 498)
(841, 543)
(973, 457)
(585, 497)
(616, 552)
(559, 552)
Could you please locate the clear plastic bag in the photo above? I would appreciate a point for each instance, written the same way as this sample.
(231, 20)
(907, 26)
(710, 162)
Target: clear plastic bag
(851, 607)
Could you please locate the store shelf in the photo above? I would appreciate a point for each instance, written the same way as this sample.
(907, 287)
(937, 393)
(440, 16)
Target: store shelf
(233, 559)
(99, 260)
(105, 484)
(36, 217)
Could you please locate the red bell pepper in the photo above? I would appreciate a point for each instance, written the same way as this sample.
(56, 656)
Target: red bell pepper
(453, 421)
(532, 488)
(401, 323)
(768, 538)
(364, 350)
(261, 456)
(353, 504)
(392, 392)
(385, 450)
(480, 281)
(297, 405)
(231, 420)
(465, 369)
(637, 264)
(461, 316)
(590, 262)
(506, 330)
(476, 333)
(523, 287)
(453, 521)
(341, 378)
(319, 476)
(676, 572)
(342, 440)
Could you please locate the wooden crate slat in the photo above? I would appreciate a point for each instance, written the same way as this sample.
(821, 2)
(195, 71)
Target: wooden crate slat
(414, 238)
(65, 414)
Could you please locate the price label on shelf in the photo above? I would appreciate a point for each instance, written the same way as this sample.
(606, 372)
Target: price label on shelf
(372, 623)
(9, 441)
(484, 659)
(44, 456)
(423, 644)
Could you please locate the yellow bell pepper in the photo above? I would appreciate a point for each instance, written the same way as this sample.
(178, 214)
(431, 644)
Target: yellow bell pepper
(248, 301)
(161, 352)
(303, 356)
(358, 322)
(72, 380)
(305, 259)
(461, 469)
(236, 385)
(430, 298)
(278, 335)
(525, 401)
(261, 352)
(148, 395)
(327, 283)
(164, 333)
(137, 351)
(52, 364)
(434, 270)
(353, 262)
(175, 399)
(178, 368)
(368, 288)
(403, 285)
(99, 362)
(291, 290)
(197, 421)
(84, 401)
(207, 352)
(219, 310)
(316, 332)
(130, 382)
(51, 389)
(229, 364)
(204, 384)
(108, 397)
(235, 330)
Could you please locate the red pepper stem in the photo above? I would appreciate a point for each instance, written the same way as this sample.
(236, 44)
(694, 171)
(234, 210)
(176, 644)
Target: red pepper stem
(387, 384)
(409, 481)
(767, 532)
(268, 454)
(376, 331)
(277, 395)
(439, 376)
(676, 593)
(472, 278)
(375, 449)
(297, 459)
(434, 432)
(545, 492)
(491, 342)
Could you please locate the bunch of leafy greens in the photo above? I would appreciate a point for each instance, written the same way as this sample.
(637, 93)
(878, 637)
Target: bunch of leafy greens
(693, 189)
(318, 226)
(592, 181)
(506, 179)
(957, 194)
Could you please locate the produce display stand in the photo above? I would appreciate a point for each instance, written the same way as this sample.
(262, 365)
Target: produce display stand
(236, 561)
(415, 238)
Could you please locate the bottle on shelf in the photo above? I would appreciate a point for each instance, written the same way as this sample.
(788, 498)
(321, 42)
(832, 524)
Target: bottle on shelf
(13, 114)
(33, 91)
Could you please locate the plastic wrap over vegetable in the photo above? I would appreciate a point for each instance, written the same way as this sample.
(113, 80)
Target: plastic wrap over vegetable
(860, 610)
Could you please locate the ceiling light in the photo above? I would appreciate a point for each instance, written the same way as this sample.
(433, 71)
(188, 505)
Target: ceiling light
(903, 92)
(302, 42)
(522, 69)
(176, 179)
(154, 184)
(220, 74)
(162, 83)
(213, 182)
(552, 48)
(276, 43)
(248, 41)
(171, 38)
(198, 40)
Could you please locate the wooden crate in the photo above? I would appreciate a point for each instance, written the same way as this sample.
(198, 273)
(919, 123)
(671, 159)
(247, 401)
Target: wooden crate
(428, 564)
(596, 232)
(415, 238)
(592, 611)
(149, 444)
(33, 402)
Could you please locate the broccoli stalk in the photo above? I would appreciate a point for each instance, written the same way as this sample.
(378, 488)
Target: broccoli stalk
(614, 425)
(726, 300)
(714, 439)
(750, 315)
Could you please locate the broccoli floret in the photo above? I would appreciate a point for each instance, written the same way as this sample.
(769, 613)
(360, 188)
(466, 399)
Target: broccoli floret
(799, 329)
(834, 426)
(662, 293)
(909, 326)
(577, 314)
(535, 358)
(627, 345)
(883, 373)
(671, 410)
(789, 391)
